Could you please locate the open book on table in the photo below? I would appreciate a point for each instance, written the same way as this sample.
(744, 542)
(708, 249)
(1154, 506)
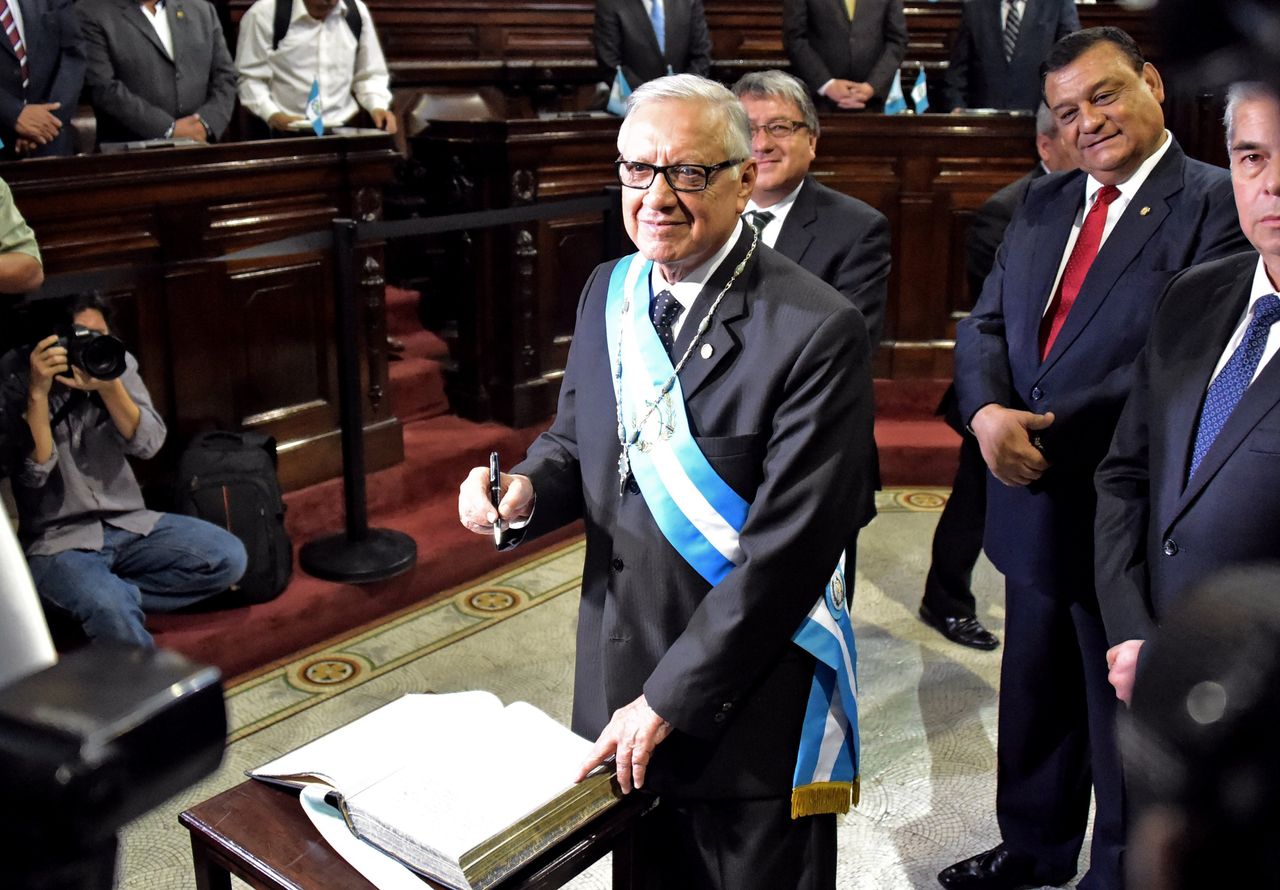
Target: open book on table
(456, 786)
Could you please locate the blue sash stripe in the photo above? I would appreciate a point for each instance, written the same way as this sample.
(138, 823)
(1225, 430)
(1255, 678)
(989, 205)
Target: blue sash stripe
(814, 727)
(682, 534)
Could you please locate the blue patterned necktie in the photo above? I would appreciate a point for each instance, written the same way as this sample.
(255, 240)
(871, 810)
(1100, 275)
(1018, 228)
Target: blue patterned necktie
(659, 23)
(663, 312)
(1227, 388)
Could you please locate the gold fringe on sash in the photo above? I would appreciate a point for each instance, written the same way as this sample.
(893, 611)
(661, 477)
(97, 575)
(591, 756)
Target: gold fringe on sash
(823, 797)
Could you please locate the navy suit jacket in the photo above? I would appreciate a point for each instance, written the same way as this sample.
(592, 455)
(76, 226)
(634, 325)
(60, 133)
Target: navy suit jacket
(843, 241)
(1184, 214)
(55, 63)
(781, 406)
(823, 43)
(979, 76)
(1159, 535)
(623, 36)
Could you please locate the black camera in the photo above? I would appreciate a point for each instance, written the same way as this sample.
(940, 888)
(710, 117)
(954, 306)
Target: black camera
(99, 355)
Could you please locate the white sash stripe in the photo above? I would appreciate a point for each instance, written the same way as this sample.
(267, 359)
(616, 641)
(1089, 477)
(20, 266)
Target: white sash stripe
(833, 737)
(694, 505)
(822, 615)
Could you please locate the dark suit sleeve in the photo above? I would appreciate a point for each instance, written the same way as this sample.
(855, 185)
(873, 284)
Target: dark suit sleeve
(606, 37)
(107, 93)
(815, 465)
(1120, 525)
(217, 109)
(1068, 20)
(982, 374)
(863, 275)
(699, 61)
(70, 78)
(895, 48)
(805, 60)
(955, 80)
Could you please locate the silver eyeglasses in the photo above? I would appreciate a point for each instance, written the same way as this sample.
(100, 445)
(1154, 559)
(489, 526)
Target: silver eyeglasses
(780, 129)
(681, 177)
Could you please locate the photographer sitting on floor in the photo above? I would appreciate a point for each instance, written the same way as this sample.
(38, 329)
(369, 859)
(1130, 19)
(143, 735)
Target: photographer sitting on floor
(94, 550)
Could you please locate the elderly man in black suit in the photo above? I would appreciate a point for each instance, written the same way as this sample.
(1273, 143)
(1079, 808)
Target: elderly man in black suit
(998, 48)
(157, 69)
(1192, 482)
(838, 238)
(847, 51)
(1043, 366)
(714, 431)
(41, 72)
(650, 38)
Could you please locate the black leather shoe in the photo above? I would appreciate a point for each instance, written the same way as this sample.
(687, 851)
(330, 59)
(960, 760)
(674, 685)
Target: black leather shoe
(966, 631)
(996, 869)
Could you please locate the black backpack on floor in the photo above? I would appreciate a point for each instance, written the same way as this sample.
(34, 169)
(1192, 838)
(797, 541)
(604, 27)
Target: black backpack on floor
(229, 479)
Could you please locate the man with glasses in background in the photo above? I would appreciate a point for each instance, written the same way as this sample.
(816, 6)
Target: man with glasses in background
(714, 431)
(838, 238)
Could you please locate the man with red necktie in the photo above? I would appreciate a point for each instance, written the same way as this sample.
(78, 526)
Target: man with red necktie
(1043, 366)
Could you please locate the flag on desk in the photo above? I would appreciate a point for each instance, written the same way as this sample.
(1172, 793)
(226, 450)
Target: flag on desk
(313, 108)
(896, 103)
(618, 95)
(920, 93)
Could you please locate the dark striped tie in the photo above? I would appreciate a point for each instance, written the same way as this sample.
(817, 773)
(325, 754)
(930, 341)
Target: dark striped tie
(11, 29)
(1012, 23)
(760, 219)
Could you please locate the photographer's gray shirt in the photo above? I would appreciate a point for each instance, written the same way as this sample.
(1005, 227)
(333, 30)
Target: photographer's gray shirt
(63, 502)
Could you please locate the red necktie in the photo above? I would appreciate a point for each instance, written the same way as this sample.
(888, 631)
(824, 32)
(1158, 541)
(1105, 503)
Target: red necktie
(11, 29)
(1082, 254)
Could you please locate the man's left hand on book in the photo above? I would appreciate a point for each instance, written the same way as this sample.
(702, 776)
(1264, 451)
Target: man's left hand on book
(630, 737)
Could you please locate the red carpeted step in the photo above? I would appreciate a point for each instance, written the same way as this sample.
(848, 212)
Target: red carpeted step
(909, 398)
(402, 311)
(916, 452)
(417, 388)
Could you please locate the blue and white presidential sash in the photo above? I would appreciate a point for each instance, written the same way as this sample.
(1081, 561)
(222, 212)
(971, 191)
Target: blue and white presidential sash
(701, 516)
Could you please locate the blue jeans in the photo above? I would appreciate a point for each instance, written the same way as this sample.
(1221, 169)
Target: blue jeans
(182, 561)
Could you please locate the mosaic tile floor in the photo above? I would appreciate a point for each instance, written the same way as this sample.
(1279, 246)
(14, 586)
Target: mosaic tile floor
(928, 707)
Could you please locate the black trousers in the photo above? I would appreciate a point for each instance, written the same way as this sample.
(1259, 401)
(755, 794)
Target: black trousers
(957, 540)
(734, 845)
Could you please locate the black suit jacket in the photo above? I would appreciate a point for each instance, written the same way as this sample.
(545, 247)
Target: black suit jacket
(823, 43)
(1158, 535)
(986, 229)
(782, 409)
(1183, 214)
(623, 36)
(979, 76)
(136, 90)
(55, 63)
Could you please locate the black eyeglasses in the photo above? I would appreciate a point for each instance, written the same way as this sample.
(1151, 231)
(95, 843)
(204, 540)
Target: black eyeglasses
(780, 129)
(681, 177)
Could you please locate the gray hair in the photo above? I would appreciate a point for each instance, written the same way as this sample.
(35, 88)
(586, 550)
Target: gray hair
(735, 128)
(1046, 123)
(1244, 91)
(779, 85)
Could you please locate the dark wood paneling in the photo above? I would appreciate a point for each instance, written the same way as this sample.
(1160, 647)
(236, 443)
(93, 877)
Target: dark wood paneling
(238, 344)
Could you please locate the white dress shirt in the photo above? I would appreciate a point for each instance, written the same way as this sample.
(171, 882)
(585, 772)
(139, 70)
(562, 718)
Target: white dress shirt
(1262, 287)
(686, 290)
(769, 235)
(1128, 189)
(279, 80)
(159, 21)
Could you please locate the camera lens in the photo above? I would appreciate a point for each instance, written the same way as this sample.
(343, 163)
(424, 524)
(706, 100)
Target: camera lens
(98, 355)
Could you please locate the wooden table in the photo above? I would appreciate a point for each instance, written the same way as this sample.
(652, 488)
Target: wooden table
(259, 833)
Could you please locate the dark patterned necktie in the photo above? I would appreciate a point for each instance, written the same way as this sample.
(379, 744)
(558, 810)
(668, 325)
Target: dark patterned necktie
(1228, 387)
(11, 30)
(663, 312)
(760, 219)
(1012, 23)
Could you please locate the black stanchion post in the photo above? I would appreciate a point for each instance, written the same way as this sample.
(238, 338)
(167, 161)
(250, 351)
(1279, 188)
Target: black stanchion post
(360, 554)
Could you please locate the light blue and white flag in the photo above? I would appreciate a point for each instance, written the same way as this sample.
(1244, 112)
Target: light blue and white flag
(618, 94)
(920, 93)
(313, 113)
(701, 516)
(896, 103)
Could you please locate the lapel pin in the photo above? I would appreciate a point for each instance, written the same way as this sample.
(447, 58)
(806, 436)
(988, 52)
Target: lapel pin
(707, 350)
(179, 13)
(1144, 211)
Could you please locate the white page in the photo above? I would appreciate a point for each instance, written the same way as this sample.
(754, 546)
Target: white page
(25, 644)
(377, 867)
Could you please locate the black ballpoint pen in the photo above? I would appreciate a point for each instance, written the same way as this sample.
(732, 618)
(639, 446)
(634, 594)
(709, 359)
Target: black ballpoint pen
(495, 495)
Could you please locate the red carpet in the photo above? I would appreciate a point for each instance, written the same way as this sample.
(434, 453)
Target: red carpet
(419, 497)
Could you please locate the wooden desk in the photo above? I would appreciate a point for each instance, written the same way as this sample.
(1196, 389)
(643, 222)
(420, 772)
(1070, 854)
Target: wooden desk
(259, 833)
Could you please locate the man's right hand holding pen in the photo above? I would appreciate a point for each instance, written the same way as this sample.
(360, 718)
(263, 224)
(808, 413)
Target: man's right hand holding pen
(477, 513)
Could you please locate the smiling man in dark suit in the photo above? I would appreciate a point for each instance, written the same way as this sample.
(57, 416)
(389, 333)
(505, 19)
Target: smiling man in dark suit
(717, 497)
(847, 51)
(625, 35)
(998, 48)
(1043, 366)
(836, 237)
(157, 68)
(41, 72)
(1192, 482)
